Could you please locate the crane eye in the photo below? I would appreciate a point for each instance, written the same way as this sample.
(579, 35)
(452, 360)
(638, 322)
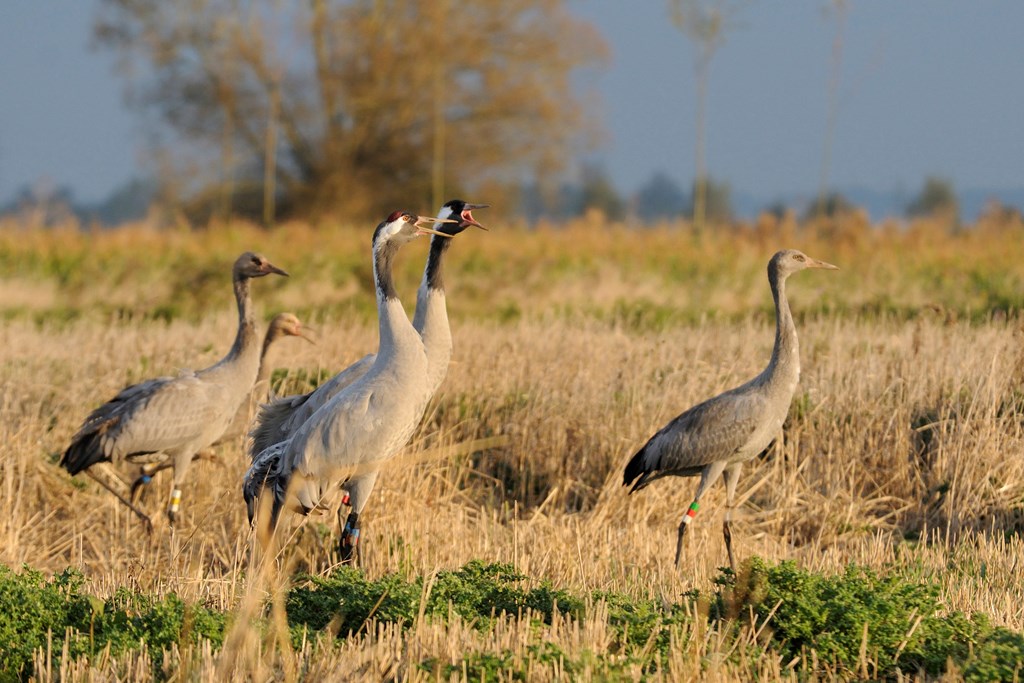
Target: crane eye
(799, 257)
(256, 260)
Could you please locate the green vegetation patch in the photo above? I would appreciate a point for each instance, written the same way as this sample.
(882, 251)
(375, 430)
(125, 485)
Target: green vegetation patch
(34, 609)
(478, 593)
(852, 624)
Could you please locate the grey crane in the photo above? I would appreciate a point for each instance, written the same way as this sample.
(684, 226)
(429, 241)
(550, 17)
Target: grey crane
(176, 417)
(277, 420)
(716, 437)
(367, 421)
(282, 325)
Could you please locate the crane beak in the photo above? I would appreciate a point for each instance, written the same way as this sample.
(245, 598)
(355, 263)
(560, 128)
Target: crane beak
(305, 331)
(269, 268)
(467, 215)
(423, 230)
(814, 263)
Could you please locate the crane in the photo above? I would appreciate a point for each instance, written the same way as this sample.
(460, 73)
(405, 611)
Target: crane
(282, 325)
(371, 418)
(277, 420)
(716, 437)
(175, 417)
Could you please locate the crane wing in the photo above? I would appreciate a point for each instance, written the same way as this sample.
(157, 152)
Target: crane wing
(278, 420)
(709, 432)
(341, 421)
(148, 417)
(273, 467)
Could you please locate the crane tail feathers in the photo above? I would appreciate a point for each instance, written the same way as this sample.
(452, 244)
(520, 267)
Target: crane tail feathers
(270, 424)
(84, 452)
(636, 471)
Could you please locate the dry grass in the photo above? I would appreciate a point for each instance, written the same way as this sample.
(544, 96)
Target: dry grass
(902, 450)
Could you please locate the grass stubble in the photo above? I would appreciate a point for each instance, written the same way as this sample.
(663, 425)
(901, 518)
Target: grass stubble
(902, 451)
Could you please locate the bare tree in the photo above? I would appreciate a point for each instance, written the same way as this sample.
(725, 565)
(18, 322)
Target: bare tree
(356, 105)
(704, 22)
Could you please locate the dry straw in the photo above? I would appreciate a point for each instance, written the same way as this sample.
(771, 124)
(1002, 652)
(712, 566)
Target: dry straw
(571, 346)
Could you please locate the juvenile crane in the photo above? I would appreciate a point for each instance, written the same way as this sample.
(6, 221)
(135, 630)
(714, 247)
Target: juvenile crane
(283, 325)
(279, 419)
(716, 437)
(176, 417)
(367, 421)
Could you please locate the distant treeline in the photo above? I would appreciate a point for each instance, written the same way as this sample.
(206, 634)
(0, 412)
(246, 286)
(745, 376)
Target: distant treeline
(661, 198)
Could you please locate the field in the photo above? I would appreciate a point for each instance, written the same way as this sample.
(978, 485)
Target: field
(882, 538)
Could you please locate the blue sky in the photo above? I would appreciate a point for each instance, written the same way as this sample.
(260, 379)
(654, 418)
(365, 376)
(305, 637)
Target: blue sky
(930, 87)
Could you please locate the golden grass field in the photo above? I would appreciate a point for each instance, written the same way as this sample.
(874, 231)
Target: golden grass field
(572, 346)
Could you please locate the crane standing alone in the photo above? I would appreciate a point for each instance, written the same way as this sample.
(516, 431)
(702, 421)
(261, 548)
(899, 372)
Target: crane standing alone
(716, 437)
(367, 421)
(177, 416)
(276, 421)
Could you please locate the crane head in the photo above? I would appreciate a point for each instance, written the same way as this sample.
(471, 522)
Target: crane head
(789, 261)
(462, 212)
(402, 226)
(289, 325)
(250, 265)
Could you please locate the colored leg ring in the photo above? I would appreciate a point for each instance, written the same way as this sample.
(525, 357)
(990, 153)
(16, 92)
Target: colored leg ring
(691, 513)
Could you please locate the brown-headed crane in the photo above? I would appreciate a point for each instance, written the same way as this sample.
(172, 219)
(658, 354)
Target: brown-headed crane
(283, 325)
(716, 437)
(176, 417)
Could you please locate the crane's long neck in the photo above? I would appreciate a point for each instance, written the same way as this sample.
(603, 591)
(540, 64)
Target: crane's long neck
(431, 318)
(396, 332)
(245, 339)
(785, 363)
(264, 372)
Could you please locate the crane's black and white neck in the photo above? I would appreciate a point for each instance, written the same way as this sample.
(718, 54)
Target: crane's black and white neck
(431, 322)
(370, 419)
(462, 213)
(431, 317)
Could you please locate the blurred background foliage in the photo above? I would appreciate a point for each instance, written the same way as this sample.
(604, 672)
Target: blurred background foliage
(280, 110)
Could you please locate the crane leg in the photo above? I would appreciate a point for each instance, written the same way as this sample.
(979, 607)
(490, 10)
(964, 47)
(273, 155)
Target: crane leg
(181, 464)
(682, 530)
(348, 546)
(141, 515)
(708, 476)
(732, 477)
(147, 471)
(358, 489)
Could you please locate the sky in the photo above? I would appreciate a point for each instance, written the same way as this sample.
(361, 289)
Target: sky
(926, 88)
